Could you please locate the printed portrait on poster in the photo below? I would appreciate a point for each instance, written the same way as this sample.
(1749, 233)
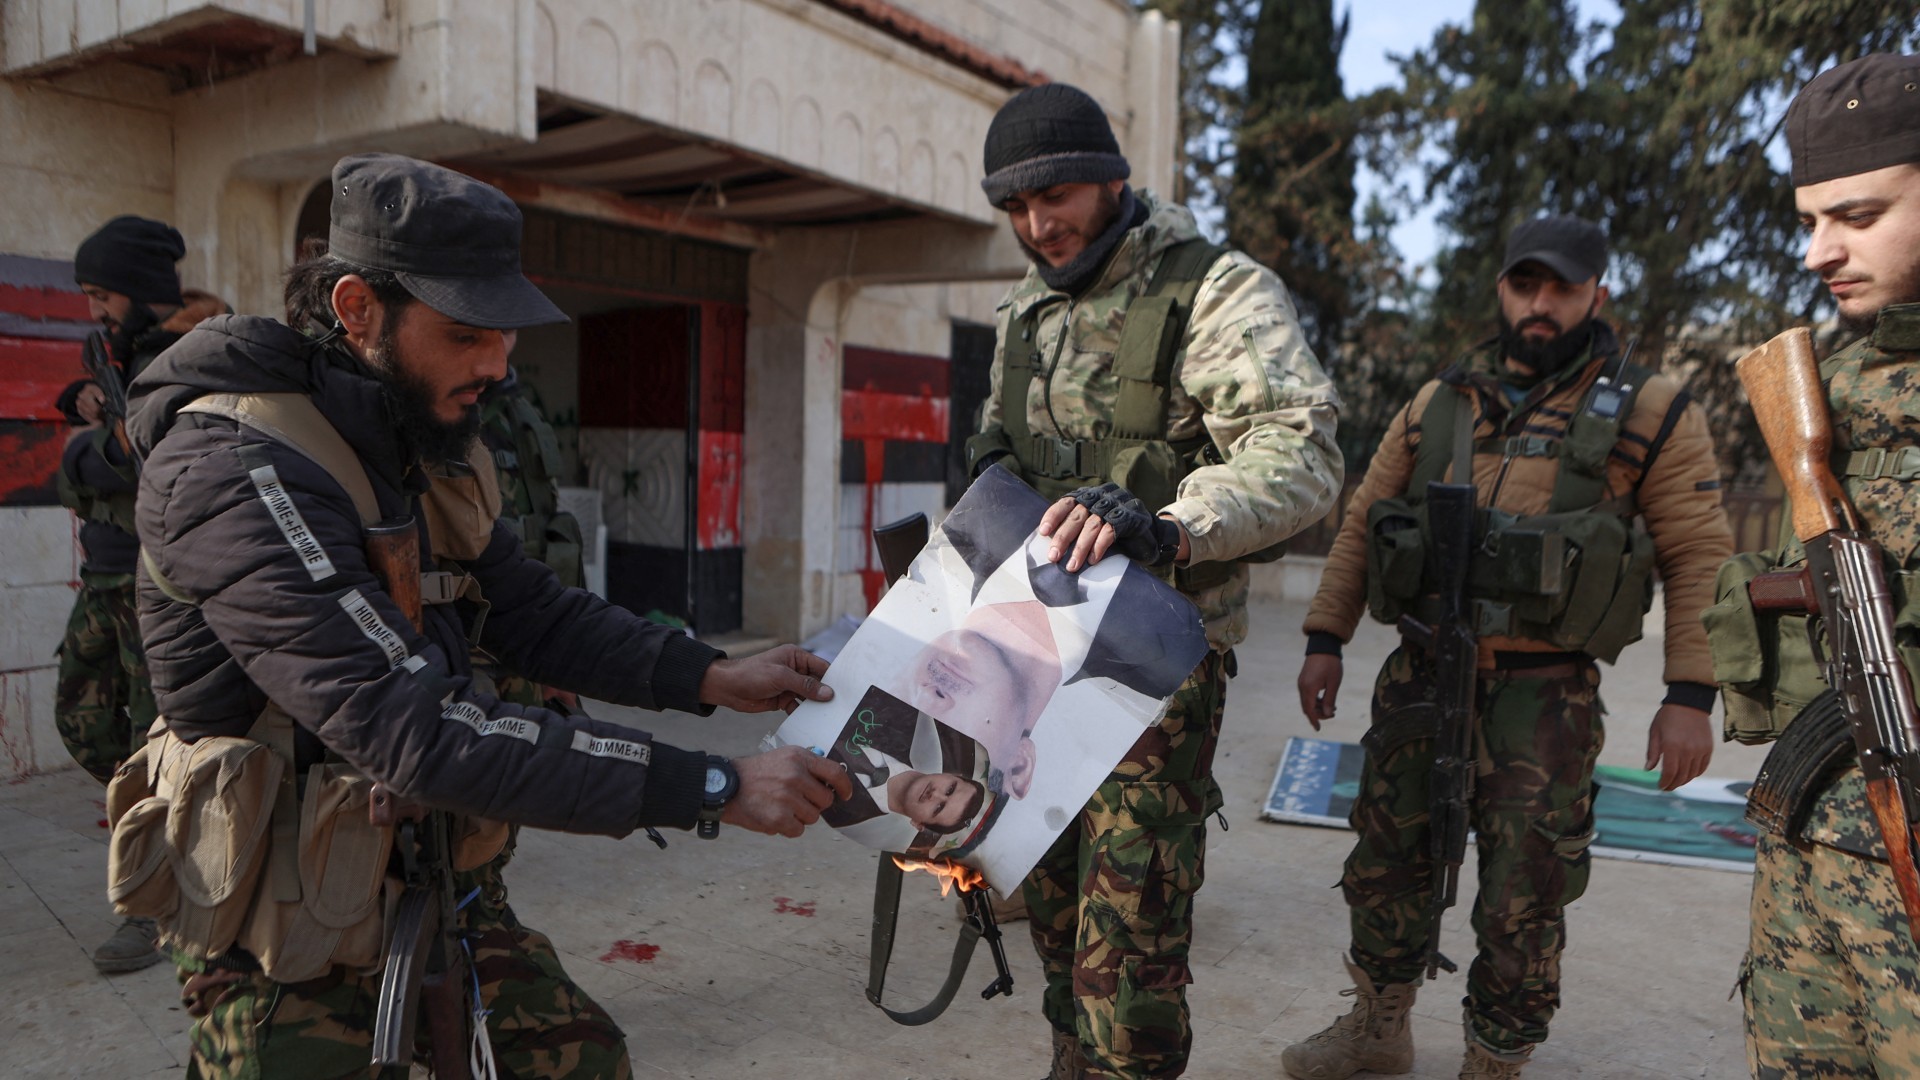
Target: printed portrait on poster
(992, 691)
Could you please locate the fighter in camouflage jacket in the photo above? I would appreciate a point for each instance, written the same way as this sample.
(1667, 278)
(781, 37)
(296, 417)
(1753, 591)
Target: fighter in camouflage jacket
(1244, 377)
(1247, 404)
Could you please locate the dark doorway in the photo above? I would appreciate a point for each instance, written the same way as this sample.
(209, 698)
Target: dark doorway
(969, 383)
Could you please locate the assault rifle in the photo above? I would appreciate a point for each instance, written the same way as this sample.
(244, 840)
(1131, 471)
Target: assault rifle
(1848, 578)
(1454, 648)
(425, 955)
(113, 408)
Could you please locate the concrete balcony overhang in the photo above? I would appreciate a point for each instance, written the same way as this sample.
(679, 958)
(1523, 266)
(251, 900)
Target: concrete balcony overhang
(599, 164)
(192, 45)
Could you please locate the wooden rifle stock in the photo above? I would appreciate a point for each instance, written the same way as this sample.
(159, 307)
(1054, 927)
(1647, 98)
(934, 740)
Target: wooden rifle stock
(1846, 581)
(1783, 384)
(425, 957)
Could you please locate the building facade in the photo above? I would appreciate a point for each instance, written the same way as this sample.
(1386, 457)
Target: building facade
(763, 215)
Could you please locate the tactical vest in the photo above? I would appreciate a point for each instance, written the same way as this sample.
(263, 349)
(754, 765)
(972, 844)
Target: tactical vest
(1136, 453)
(1764, 661)
(1578, 577)
(223, 841)
(530, 466)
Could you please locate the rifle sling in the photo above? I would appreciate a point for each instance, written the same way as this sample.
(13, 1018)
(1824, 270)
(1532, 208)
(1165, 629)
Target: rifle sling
(886, 916)
(1815, 745)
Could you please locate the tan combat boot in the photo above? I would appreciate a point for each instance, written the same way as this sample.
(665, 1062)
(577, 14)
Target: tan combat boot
(1483, 1064)
(1069, 1061)
(1373, 1035)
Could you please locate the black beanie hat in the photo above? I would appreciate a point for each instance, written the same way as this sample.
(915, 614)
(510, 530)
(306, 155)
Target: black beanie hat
(1046, 135)
(134, 257)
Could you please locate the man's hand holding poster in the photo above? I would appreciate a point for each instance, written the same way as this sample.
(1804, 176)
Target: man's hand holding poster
(993, 691)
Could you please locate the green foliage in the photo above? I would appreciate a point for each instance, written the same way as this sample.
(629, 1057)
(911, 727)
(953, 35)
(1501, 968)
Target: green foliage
(1290, 204)
(1657, 126)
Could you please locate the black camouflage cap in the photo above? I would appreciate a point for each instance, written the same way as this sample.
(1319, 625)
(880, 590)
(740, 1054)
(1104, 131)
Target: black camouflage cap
(1855, 118)
(453, 241)
(1572, 247)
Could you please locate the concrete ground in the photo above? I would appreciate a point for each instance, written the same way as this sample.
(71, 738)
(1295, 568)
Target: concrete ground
(747, 956)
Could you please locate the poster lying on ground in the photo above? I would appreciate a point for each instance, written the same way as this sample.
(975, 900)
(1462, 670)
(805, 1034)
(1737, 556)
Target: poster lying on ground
(990, 691)
(1701, 823)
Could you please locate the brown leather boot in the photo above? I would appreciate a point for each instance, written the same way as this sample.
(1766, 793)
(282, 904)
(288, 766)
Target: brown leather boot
(1484, 1064)
(1069, 1061)
(1373, 1035)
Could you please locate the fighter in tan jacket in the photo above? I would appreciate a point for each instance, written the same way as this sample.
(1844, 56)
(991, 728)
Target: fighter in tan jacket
(1570, 442)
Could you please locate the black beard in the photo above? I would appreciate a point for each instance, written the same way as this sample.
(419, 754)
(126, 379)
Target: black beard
(1103, 220)
(124, 335)
(1548, 357)
(410, 409)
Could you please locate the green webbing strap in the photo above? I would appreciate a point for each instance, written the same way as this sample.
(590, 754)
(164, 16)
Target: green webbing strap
(1876, 463)
(1463, 439)
(886, 917)
(1438, 439)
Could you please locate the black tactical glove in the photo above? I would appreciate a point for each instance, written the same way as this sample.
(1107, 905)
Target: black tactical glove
(1138, 534)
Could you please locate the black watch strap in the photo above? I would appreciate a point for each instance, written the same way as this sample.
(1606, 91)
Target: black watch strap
(715, 797)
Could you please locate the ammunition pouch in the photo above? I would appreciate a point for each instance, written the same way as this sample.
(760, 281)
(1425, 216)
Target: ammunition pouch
(1816, 745)
(1763, 660)
(1579, 581)
(215, 842)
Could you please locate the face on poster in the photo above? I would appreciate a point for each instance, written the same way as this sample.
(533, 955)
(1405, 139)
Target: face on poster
(992, 691)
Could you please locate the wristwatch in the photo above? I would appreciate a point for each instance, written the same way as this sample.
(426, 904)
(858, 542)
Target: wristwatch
(722, 784)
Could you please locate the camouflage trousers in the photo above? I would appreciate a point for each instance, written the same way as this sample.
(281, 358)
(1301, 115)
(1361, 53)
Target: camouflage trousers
(1112, 901)
(103, 703)
(540, 1024)
(1831, 983)
(1536, 741)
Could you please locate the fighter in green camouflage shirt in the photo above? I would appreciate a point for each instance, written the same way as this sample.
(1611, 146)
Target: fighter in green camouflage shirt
(1831, 983)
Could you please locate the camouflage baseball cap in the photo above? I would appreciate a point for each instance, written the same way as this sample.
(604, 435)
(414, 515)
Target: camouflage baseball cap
(1855, 118)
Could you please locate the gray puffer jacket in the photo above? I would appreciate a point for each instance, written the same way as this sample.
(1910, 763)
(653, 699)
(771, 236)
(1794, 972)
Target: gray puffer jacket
(268, 548)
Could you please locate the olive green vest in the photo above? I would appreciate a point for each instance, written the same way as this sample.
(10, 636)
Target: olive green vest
(1764, 661)
(1136, 453)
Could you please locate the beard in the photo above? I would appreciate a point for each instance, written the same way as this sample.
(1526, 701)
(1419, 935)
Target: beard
(1906, 290)
(1545, 356)
(410, 406)
(1108, 209)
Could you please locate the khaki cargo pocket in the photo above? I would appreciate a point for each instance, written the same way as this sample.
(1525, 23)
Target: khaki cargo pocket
(340, 915)
(222, 795)
(139, 874)
(461, 504)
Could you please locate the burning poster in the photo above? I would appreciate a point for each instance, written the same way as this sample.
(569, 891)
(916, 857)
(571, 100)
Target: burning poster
(990, 691)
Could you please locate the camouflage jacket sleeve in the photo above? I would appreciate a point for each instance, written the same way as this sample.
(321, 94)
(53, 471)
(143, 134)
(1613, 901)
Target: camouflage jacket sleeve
(1003, 324)
(1342, 597)
(1269, 408)
(1680, 501)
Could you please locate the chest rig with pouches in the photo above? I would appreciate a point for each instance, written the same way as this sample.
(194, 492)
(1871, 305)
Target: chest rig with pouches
(1135, 453)
(1578, 577)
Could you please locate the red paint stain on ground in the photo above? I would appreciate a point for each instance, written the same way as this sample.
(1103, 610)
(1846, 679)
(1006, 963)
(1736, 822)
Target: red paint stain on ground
(785, 906)
(637, 951)
(102, 804)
